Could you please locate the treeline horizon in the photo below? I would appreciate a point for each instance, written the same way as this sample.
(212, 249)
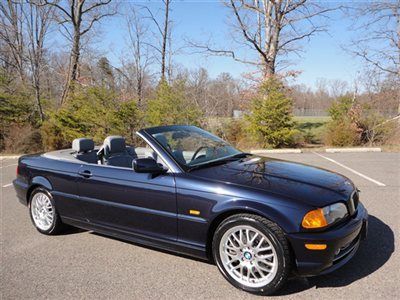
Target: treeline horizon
(47, 93)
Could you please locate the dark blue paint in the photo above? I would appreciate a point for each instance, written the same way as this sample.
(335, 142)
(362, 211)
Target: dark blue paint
(154, 209)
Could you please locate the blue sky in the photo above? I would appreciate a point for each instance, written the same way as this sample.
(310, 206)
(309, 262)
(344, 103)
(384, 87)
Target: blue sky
(202, 20)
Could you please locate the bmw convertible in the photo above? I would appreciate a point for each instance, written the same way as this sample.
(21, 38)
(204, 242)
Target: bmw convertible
(260, 220)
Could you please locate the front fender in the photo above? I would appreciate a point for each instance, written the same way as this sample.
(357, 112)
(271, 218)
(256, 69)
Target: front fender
(287, 217)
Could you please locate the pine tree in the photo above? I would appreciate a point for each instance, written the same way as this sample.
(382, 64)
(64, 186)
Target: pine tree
(271, 115)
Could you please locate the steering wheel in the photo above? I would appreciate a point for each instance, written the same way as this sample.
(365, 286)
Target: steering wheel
(197, 152)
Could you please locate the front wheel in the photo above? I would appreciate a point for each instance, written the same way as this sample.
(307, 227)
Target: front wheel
(43, 212)
(252, 253)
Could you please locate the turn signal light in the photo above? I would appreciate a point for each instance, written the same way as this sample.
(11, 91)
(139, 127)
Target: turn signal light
(316, 246)
(314, 219)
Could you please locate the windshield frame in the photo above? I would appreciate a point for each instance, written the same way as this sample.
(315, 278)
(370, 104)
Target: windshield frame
(187, 168)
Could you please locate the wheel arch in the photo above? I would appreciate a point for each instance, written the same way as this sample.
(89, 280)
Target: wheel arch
(223, 216)
(38, 181)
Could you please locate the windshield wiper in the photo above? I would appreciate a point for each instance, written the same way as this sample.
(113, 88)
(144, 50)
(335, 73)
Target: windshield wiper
(223, 160)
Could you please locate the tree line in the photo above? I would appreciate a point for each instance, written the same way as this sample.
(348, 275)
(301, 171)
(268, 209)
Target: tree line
(50, 96)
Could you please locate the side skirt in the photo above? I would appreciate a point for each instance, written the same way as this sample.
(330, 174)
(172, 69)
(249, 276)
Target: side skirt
(173, 246)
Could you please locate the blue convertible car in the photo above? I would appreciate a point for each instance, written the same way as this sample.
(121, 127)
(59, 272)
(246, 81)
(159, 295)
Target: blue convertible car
(259, 219)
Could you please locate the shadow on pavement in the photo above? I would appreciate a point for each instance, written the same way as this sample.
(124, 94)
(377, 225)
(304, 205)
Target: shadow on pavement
(372, 254)
(72, 230)
(170, 252)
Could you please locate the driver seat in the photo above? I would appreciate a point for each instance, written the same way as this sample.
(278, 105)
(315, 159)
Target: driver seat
(116, 153)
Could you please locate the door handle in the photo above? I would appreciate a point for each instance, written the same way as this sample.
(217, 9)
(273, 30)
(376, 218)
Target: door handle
(85, 173)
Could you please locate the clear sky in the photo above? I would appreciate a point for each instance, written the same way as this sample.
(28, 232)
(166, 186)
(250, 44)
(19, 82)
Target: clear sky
(323, 56)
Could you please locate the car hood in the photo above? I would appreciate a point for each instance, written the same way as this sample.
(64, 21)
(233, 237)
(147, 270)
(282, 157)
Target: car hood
(299, 182)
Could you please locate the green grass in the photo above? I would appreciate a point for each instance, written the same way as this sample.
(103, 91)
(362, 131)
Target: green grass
(310, 119)
(312, 128)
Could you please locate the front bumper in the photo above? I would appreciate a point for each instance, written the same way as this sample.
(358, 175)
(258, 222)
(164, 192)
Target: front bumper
(342, 243)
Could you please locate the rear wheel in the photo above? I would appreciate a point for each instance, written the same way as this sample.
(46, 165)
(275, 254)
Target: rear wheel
(252, 253)
(43, 212)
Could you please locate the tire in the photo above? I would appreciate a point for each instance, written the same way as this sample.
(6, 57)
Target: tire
(43, 212)
(261, 263)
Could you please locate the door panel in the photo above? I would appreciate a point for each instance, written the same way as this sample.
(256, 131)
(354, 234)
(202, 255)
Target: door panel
(129, 201)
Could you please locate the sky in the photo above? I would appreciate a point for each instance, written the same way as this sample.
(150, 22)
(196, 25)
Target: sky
(322, 57)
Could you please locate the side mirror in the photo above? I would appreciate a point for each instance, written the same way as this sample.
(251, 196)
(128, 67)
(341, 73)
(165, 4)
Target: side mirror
(147, 165)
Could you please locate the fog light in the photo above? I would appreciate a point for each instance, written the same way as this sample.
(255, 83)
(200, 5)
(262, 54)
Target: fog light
(316, 246)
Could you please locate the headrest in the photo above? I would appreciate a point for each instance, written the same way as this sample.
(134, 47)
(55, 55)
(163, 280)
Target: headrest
(161, 139)
(82, 145)
(114, 144)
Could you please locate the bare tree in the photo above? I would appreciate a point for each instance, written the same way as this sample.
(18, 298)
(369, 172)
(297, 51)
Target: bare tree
(77, 18)
(12, 37)
(378, 36)
(24, 27)
(272, 29)
(139, 45)
(38, 20)
(164, 31)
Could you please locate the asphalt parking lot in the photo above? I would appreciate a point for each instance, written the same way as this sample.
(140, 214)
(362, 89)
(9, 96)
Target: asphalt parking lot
(81, 264)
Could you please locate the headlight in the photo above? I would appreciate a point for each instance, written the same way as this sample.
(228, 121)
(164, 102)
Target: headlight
(325, 216)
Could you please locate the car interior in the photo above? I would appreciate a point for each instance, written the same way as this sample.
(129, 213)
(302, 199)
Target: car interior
(113, 152)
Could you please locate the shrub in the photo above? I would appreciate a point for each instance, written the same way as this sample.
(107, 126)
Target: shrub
(374, 128)
(19, 119)
(355, 124)
(92, 112)
(171, 106)
(23, 139)
(270, 119)
(342, 130)
(341, 133)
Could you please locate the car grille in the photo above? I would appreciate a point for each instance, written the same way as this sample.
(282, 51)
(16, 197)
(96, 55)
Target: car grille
(353, 202)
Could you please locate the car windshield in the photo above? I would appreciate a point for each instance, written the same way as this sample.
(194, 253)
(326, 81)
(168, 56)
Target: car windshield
(192, 146)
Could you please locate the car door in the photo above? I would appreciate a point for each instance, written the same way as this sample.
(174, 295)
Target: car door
(133, 203)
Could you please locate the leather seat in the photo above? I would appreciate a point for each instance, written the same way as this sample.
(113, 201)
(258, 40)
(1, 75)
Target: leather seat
(116, 152)
(84, 150)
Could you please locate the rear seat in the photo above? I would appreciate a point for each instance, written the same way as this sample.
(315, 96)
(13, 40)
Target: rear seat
(84, 150)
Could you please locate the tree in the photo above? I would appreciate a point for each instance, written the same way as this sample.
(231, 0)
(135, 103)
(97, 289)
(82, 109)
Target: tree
(12, 38)
(377, 25)
(38, 20)
(139, 46)
(23, 31)
(272, 29)
(106, 73)
(77, 17)
(171, 106)
(270, 118)
(94, 112)
(164, 30)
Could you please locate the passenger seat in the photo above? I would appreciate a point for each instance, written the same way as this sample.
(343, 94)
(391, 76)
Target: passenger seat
(84, 150)
(116, 152)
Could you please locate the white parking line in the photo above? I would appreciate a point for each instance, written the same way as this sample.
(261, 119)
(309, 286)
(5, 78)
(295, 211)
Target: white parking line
(8, 166)
(351, 170)
(7, 185)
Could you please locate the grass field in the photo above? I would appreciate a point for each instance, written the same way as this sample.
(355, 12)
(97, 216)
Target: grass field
(312, 119)
(312, 128)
